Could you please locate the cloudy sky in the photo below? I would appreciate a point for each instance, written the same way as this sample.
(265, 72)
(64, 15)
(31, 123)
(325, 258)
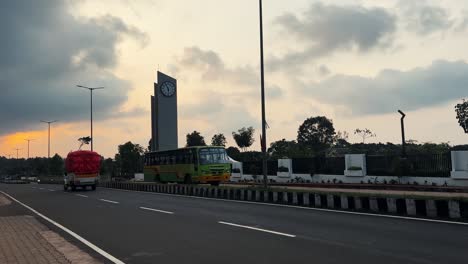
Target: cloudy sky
(354, 61)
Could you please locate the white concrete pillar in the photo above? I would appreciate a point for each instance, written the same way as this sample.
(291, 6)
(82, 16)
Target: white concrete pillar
(275, 197)
(285, 197)
(257, 195)
(318, 200)
(249, 195)
(330, 201)
(344, 202)
(373, 204)
(410, 207)
(391, 204)
(265, 196)
(454, 209)
(305, 199)
(431, 209)
(294, 198)
(242, 194)
(357, 203)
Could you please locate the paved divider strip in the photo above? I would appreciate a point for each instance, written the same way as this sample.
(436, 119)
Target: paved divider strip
(414, 207)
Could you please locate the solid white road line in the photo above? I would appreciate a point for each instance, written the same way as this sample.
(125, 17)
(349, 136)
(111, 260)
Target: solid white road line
(51, 190)
(81, 195)
(109, 201)
(257, 229)
(73, 234)
(303, 208)
(156, 210)
(41, 189)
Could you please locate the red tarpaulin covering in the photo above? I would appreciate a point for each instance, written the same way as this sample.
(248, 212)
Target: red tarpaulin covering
(83, 162)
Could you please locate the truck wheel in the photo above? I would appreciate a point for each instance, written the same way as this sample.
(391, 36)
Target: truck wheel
(93, 187)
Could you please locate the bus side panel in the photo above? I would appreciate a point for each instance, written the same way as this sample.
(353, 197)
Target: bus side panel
(150, 173)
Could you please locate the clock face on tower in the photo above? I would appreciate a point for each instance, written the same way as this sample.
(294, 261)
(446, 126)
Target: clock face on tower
(168, 89)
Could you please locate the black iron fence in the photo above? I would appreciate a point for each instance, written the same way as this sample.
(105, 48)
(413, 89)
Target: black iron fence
(255, 167)
(430, 165)
(320, 165)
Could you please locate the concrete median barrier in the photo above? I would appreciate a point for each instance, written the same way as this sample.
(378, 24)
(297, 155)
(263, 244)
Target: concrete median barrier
(428, 208)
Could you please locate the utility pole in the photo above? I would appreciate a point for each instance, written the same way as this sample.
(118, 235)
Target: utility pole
(48, 145)
(403, 141)
(262, 83)
(29, 140)
(17, 149)
(91, 89)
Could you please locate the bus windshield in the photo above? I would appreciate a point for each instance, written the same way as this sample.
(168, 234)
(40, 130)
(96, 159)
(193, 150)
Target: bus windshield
(213, 156)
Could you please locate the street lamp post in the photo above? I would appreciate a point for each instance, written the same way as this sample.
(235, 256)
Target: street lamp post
(403, 141)
(48, 145)
(29, 140)
(17, 149)
(262, 77)
(91, 89)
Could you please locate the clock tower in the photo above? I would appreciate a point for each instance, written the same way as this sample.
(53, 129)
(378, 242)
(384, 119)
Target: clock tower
(164, 114)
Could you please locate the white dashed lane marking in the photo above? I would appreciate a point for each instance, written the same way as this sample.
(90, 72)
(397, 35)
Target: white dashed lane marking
(109, 201)
(156, 210)
(257, 229)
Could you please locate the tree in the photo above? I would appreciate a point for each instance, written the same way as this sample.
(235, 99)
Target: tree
(364, 134)
(462, 114)
(84, 141)
(129, 159)
(56, 165)
(316, 133)
(218, 140)
(150, 143)
(286, 149)
(244, 137)
(233, 152)
(195, 139)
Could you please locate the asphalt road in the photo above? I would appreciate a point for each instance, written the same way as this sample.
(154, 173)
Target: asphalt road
(156, 228)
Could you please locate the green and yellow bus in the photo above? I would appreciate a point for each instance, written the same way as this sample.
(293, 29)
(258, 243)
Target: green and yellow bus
(188, 165)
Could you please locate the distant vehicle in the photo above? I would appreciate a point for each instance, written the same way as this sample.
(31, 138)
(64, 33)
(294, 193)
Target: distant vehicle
(82, 170)
(188, 165)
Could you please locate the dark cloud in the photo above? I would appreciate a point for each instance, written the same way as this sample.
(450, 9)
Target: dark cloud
(212, 67)
(45, 52)
(391, 90)
(422, 18)
(328, 28)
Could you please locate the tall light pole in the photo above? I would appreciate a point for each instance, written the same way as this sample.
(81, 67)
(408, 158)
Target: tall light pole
(91, 89)
(29, 140)
(262, 74)
(17, 149)
(403, 141)
(48, 145)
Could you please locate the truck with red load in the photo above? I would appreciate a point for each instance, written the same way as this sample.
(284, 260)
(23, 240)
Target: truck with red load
(82, 170)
